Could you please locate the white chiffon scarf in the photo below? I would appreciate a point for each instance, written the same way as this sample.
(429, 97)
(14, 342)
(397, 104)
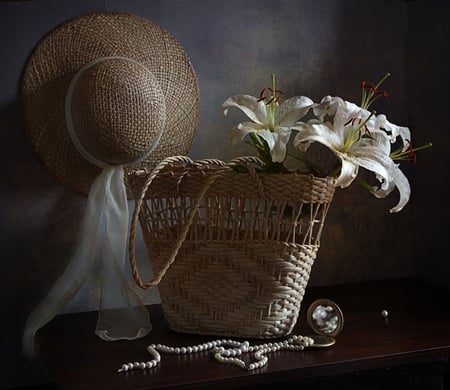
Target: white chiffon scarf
(100, 254)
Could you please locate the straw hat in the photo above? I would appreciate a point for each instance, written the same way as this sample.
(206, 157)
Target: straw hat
(106, 89)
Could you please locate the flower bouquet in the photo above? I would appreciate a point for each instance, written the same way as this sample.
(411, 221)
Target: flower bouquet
(356, 136)
(232, 243)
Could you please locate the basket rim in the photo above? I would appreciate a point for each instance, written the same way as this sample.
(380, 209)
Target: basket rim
(179, 176)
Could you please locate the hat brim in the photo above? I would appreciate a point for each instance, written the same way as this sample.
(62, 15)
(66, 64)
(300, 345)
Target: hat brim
(64, 50)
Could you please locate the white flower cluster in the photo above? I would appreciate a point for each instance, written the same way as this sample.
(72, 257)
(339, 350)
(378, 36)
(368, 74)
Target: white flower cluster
(356, 136)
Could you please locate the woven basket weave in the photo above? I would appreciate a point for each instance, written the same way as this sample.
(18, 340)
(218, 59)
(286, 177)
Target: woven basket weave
(231, 248)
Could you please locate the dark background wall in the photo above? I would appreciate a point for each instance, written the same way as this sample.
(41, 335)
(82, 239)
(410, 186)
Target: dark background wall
(316, 48)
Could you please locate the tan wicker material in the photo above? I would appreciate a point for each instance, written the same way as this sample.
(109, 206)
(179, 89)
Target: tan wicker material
(143, 93)
(231, 251)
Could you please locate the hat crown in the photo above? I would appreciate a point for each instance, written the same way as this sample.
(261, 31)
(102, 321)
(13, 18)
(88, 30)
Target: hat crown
(116, 109)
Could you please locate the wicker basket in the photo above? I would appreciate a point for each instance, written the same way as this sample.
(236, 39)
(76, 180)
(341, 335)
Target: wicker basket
(231, 248)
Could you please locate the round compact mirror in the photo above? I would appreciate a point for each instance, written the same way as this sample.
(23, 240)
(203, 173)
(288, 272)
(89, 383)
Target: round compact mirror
(325, 318)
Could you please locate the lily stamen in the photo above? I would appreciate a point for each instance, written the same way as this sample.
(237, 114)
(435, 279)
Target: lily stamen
(274, 92)
(351, 120)
(262, 97)
(274, 97)
(411, 153)
(382, 93)
(373, 92)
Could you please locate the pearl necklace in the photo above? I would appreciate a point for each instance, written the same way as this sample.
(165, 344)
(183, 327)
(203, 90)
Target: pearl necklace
(224, 351)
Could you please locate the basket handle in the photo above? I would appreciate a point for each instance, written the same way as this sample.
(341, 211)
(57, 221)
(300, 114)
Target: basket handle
(192, 212)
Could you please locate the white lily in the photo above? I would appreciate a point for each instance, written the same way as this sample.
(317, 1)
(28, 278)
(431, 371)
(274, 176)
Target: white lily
(358, 138)
(270, 120)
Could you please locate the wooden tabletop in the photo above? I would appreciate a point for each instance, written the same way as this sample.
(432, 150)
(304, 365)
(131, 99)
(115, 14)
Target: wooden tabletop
(417, 330)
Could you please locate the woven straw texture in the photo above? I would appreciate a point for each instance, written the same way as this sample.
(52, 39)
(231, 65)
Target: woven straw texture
(121, 127)
(231, 251)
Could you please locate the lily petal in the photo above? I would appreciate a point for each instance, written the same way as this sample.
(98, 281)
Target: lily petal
(401, 182)
(315, 132)
(293, 109)
(376, 163)
(281, 137)
(348, 174)
(249, 105)
(269, 137)
(395, 131)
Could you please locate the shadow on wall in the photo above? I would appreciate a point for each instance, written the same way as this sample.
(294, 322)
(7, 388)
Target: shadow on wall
(38, 224)
(32, 207)
(315, 48)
